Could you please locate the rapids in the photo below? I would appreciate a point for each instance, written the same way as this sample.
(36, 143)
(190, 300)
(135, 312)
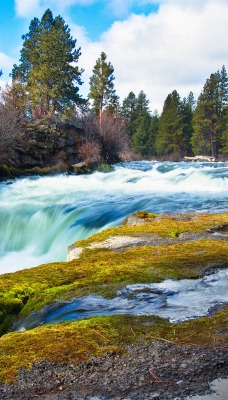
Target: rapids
(41, 216)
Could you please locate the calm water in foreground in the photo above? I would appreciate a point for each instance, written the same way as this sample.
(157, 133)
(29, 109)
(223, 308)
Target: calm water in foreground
(41, 216)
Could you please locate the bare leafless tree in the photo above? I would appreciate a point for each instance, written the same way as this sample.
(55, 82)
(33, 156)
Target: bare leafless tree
(106, 137)
(114, 136)
(11, 126)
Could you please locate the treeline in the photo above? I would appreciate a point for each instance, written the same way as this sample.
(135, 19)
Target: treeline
(46, 86)
(185, 127)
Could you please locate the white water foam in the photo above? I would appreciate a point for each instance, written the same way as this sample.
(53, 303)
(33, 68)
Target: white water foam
(41, 216)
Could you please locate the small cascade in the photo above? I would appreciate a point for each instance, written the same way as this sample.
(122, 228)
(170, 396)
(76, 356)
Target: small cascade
(176, 300)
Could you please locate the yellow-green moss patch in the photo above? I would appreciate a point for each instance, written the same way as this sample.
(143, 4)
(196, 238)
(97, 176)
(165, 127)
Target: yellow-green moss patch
(103, 271)
(162, 225)
(78, 341)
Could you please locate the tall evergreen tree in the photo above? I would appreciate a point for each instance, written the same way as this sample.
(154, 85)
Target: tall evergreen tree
(222, 90)
(141, 136)
(140, 124)
(102, 91)
(153, 132)
(46, 70)
(210, 115)
(224, 135)
(128, 112)
(223, 110)
(170, 138)
(142, 104)
(143, 140)
(186, 113)
(133, 109)
(205, 136)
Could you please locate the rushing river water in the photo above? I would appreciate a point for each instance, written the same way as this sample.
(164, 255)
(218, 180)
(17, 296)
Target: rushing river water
(41, 216)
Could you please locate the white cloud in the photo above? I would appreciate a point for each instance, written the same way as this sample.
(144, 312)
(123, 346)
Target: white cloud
(176, 48)
(6, 64)
(27, 8)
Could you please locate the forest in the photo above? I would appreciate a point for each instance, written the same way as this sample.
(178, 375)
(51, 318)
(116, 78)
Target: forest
(45, 94)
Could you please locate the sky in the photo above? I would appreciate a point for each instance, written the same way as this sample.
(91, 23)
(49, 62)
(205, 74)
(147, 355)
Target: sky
(154, 45)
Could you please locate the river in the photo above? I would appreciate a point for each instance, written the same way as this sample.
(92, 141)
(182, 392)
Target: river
(41, 216)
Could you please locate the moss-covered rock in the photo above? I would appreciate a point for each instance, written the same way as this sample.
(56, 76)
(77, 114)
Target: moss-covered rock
(101, 270)
(75, 342)
(176, 247)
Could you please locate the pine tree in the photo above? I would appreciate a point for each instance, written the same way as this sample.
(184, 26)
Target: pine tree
(128, 112)
(186, 112)
(153, 132)
(223, 110)
(209, 120)
(224, 135)
(141, 136)
(142, 104)
(204, 139)
(102, 91)
(46, 69)
(133, 109)
(222, 90)
(143, 140)
(170, 138)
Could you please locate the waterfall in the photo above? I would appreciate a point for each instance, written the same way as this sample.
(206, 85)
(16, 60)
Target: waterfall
(41, 216)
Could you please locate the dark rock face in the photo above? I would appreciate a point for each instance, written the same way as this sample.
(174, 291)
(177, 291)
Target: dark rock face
(46, 145)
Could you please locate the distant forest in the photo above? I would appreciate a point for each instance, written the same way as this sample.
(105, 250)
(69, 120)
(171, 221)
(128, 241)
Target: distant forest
(46, 86)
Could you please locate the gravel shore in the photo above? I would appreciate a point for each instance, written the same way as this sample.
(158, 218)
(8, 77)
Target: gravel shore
(155, 370)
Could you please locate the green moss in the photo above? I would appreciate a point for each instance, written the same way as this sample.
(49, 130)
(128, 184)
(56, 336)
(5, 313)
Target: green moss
(9, 308)
(12, 172)
(101, 271)
(5, 172)
(162, 225)
(202, 331)
(104, 167)
(145, 215)
(77, 341)
(175, 233)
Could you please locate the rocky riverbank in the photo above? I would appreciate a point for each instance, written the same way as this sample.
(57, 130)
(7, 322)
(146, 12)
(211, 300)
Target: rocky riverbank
(120, 356)
(50, 146)
(155, 370)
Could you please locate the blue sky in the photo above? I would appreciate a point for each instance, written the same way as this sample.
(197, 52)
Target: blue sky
(154, 45)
